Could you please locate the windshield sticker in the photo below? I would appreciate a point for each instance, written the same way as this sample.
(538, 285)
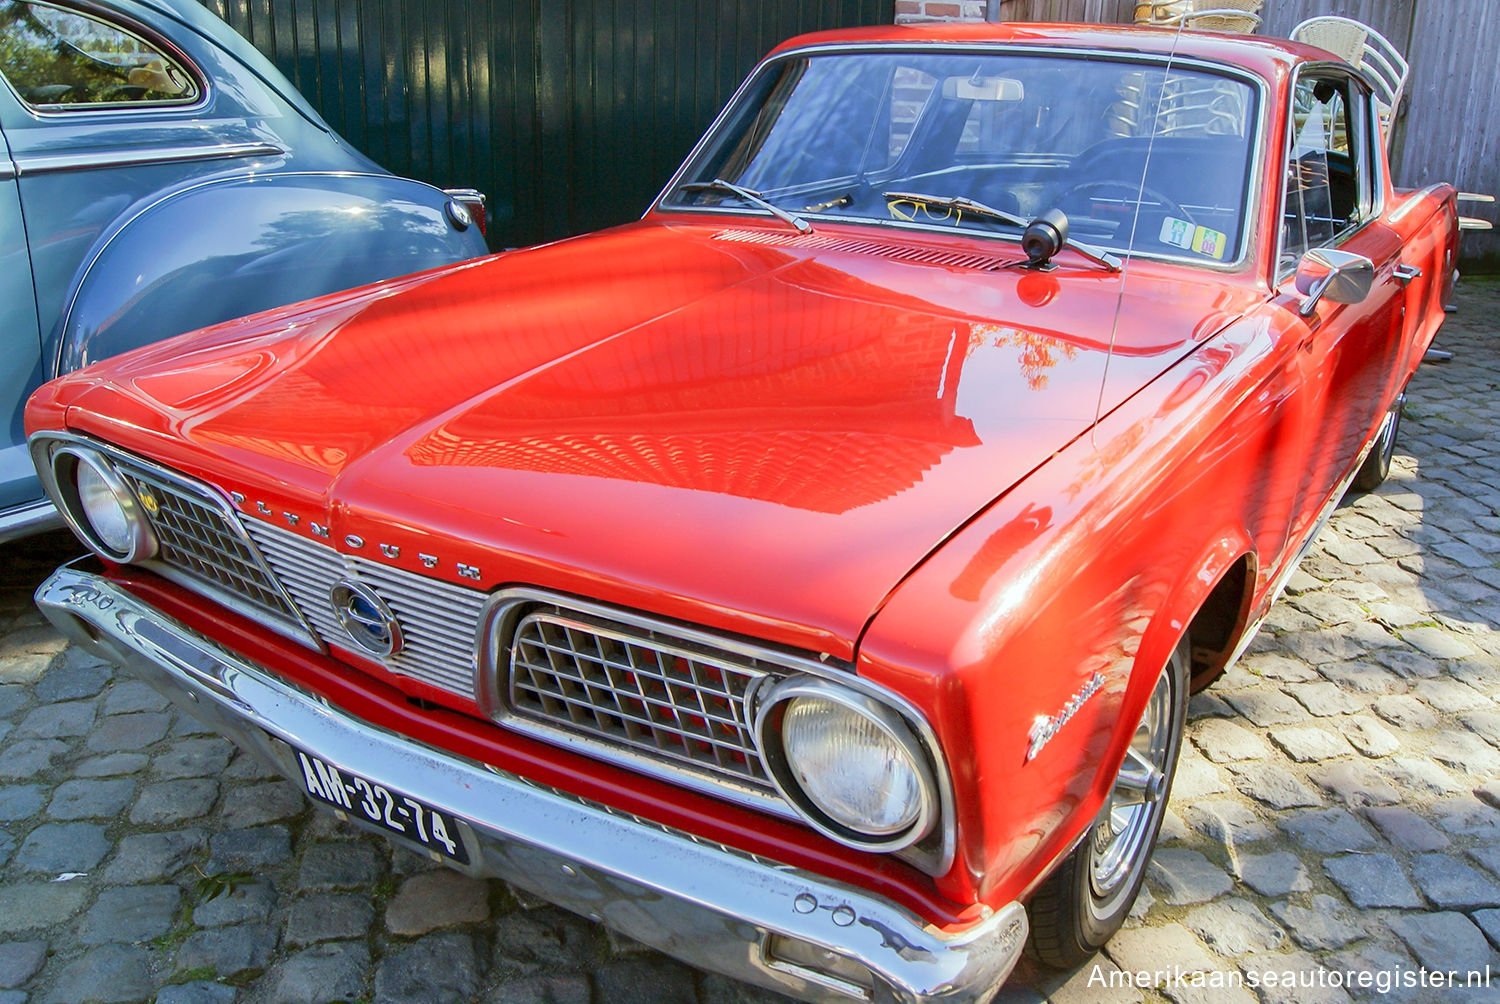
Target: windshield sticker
(1178, 233)
(1183, 234)
(1209, 242)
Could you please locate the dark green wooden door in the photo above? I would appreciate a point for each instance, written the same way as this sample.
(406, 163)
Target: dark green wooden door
(569, 115)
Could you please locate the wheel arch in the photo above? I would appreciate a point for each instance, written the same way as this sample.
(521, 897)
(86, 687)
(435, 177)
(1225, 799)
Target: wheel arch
(1211, 604)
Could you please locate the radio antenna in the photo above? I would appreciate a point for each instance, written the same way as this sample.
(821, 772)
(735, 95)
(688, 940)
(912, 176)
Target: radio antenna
(1135, 219)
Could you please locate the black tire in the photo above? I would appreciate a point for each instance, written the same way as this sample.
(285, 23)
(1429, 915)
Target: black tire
(1083, 903)
(1377, 465)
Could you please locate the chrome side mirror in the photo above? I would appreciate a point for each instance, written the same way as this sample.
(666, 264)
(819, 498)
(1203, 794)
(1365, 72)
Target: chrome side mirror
(1341, 276)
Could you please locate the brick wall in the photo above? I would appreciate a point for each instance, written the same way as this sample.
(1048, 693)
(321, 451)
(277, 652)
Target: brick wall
(916, 11)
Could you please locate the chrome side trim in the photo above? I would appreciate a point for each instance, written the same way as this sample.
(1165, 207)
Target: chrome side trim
(29, 518)
(7, 170)
(707, 904)
(91, 160)
(1411, 201)
(506, 607)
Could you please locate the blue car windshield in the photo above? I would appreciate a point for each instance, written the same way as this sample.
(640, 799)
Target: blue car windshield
(862, 136)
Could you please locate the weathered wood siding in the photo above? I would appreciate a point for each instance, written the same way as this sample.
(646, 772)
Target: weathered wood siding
(569, 114)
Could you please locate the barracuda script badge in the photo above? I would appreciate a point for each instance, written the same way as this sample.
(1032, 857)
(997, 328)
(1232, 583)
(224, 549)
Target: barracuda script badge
(1047, 726)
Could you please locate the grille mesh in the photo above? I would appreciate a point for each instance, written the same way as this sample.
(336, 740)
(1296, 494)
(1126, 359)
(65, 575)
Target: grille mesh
(439, 621)
(636, 692)
(198, 538)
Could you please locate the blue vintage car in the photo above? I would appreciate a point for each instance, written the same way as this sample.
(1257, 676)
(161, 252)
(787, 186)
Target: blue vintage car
(157, 174)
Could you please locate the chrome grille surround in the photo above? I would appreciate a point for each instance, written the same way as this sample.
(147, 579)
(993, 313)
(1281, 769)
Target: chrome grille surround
(663, 699)
(439, 621)
(202, 543)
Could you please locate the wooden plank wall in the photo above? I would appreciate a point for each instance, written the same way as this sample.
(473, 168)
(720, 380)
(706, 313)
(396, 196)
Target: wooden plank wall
(1449, 126)
(569, 114)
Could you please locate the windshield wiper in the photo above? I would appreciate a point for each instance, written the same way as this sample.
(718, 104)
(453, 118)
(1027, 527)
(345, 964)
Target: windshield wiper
(1096, 255)
(751, 196)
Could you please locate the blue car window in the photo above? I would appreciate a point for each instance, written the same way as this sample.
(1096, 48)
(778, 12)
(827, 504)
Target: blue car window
(59, 59)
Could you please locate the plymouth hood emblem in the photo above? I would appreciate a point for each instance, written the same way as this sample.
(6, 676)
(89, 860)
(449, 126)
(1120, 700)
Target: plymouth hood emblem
(365, 618)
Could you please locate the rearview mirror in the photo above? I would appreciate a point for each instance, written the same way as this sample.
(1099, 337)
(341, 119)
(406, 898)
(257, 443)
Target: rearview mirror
(1341, 276)
(983, 89)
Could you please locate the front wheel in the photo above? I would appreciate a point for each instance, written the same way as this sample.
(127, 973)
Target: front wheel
(1084, 902)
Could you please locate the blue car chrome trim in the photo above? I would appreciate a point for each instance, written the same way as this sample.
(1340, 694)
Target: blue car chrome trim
(135, 158)
(32, 517)
(7, 171)
(705, 903)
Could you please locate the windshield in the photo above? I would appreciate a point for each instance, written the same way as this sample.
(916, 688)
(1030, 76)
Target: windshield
(855, 135)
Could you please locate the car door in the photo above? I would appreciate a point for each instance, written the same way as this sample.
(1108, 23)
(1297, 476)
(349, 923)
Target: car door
(1346, 353)
(20, 340)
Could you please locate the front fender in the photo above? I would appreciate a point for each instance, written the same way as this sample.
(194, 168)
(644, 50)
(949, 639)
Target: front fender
(233, 246)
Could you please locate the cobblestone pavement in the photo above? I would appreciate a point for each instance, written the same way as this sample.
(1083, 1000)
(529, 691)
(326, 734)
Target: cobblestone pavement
(1337, 809)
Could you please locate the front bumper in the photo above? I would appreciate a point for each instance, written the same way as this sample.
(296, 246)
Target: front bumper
(709, 905)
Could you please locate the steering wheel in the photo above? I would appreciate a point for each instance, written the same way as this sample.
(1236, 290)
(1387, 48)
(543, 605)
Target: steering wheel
(1142, 193)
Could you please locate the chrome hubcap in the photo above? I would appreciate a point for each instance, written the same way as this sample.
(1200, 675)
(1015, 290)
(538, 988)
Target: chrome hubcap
(1129, 818)
(1386, 439)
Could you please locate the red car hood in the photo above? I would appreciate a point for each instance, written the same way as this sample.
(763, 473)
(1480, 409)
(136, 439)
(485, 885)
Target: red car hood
(745, 428)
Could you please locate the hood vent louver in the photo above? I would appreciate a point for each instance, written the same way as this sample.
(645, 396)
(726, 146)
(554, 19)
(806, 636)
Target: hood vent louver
(882, 249)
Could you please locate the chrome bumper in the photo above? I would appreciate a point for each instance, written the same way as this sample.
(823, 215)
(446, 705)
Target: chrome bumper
(711, 906)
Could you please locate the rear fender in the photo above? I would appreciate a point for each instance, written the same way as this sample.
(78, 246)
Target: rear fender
(233, 246)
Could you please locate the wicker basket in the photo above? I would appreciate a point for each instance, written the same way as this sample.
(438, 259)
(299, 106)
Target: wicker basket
(1210, 15)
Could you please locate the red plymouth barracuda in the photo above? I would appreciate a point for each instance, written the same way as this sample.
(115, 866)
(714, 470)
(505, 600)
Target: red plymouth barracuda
(808, 579)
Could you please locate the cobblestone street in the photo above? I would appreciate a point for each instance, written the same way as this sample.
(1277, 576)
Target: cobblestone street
(1336, 812)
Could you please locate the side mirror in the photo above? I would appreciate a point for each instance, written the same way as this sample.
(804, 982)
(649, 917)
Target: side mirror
(1341, 276)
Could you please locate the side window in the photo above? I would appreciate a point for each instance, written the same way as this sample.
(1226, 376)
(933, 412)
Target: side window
(1327, 165)
(60, 59)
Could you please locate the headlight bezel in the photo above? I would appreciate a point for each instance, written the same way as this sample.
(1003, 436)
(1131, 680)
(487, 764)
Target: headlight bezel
(770, 709)
(66, 463)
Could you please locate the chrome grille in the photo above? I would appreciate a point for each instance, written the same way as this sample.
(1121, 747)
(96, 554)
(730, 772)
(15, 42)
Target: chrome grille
(439, 621)
(636, 691)
(198, 536)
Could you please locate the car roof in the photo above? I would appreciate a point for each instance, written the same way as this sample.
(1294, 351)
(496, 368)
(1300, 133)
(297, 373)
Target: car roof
(1267, 57)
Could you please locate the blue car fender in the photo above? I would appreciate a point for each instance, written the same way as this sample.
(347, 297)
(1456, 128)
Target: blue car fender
(231, 246)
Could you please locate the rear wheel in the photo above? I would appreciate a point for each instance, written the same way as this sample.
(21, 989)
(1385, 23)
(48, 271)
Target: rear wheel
(1084, 902)
(1377, 465)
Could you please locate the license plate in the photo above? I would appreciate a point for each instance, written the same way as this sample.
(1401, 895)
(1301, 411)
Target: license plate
(385, 807)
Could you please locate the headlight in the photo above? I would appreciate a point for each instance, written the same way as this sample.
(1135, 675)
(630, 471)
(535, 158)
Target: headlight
(849, 763)
(99, 506)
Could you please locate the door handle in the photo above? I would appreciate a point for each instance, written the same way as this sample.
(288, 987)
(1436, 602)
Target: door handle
(1406, 273)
